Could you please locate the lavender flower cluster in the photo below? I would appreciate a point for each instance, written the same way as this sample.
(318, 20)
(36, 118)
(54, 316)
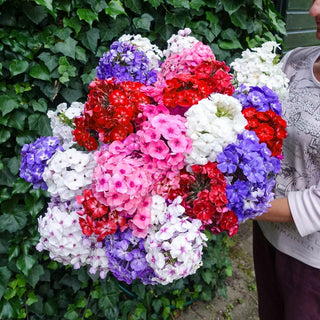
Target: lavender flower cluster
(261, 98)
(127, 257)
(250, 172)
(34, 159)
(125, 62)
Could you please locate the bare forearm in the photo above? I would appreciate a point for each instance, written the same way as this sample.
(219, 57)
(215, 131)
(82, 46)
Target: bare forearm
(278, 212)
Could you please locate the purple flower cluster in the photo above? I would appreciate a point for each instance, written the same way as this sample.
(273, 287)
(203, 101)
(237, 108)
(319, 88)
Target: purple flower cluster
(250, 172)
(127, 257)
(125, 63)
(261, 98)
(34, 159)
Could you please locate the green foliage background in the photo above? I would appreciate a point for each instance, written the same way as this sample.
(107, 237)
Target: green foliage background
(48, 54)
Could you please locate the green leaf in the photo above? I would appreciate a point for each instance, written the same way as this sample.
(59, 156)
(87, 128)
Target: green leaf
(14, 165)
(197, 4)
(13, 222)
(155, 3)
(115, 8)
(180, 3)
(5, 275)
(239, 19)
(50, 61)
(17, 120)
(87, 15)
(40, 123)
(25, 263)
(17, 67)
(67, 48)
(32, 298)
(14, 251)
(229, 45)
(41, 72)
(135, 6)
(7, 104)
(90, 39)
(20, 186)
(4, 135)
(48, 5)
(231, 6)
(39, 105)
(36, 14)
(73, 23)
(144, 22)
(34, 205)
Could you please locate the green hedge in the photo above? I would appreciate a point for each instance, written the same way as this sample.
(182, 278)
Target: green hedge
(48, 54)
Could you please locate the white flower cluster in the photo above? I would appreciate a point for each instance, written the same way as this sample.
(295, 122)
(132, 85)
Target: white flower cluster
(212, 124)
(61, 122)
(178, 42)
(68, 173)
(260, 67)
(62, 236)
(174, 245)
(153, 53)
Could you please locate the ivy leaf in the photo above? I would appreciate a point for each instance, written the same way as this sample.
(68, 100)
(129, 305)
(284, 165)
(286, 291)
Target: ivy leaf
(67, 47)
(17, 67)
(50, 61)
(239, 19)
(114, 9)
(17, 119)
(4, 135)
(34, 205)
(134, 5)
(73, 23)
(20, 186)
(229, 45)
(90, 39)
(180, 3)
(196, 4)
(7, 104)
(87, 15)
(48, 5)
(231, 6)
(40, 123)
(13, 222)
(41, 72)
(155, 3)
(32, 298)
(5, 275)
(144, 22)
(39, 105)
(25, 263)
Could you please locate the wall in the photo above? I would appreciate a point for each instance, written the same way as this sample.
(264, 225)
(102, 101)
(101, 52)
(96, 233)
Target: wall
(301, 26)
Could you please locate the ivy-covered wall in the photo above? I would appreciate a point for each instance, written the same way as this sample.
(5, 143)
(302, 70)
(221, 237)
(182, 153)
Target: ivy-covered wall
(48, 54)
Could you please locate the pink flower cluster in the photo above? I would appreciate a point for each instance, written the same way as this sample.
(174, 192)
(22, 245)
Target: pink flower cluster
(163, 141)
(122, 180)
(186, 60)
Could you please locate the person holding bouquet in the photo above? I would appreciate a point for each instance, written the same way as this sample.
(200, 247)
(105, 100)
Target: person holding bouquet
(286, 239)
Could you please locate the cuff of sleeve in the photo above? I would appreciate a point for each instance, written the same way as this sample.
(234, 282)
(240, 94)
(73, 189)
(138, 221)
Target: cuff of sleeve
(303, 212)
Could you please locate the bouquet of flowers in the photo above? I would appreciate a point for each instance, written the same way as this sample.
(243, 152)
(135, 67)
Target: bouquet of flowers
(164, 151)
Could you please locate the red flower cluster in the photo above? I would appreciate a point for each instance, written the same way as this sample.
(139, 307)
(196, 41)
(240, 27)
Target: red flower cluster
(99, 220)
(187, 89)
(269, 127)
(204, 198)
(109, 112)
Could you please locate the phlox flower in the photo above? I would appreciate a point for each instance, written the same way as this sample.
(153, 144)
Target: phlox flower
(173, 248)
(68, 173)
(212, 124)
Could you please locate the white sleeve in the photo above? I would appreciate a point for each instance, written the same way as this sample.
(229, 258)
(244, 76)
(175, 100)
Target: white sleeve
(305, 209)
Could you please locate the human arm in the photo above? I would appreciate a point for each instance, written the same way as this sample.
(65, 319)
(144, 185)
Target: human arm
(278, 212)
(300, 207)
